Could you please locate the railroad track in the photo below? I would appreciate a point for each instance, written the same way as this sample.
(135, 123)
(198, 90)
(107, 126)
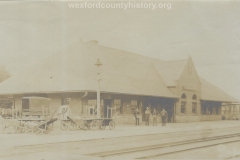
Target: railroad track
(226, 138)
(169, 134)
(105, 142)
(233, 157)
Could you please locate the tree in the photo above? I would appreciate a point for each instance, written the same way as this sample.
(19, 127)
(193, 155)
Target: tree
(4, 74)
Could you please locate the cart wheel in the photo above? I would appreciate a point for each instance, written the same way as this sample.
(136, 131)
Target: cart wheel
(19, 129)
(23, 130)
(85, 125)
(88, 125)
(102, 125)
(63, 126)
(48, 129)
(72, 126)
(94, 125)
(11, 129)
(28, 129)
(111, 125)
(36, 130)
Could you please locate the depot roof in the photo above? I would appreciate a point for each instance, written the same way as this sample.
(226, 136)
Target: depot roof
(212, 93)
(73, 69)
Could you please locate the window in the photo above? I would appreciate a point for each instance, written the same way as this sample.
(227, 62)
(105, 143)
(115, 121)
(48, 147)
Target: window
(194, 107)
(92, 102)
(183, 107)
(214, 110)
(194, 104)
(184, 96)
(65, 101)
(117, 102)
(209, 109)
(194, 97)
(134, 103)
(183, 103)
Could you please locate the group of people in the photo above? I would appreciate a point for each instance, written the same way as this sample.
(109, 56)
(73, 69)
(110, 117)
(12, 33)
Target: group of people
(163, 114)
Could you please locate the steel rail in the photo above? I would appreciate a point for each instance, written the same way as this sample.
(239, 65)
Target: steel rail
(151, 147)
(154, 134)
(29, 148)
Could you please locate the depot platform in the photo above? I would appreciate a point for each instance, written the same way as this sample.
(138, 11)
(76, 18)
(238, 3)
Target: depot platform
(57, 135)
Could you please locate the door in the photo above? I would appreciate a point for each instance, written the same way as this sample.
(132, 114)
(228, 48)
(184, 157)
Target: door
(143, 113)
(107, 103)
(170, 112)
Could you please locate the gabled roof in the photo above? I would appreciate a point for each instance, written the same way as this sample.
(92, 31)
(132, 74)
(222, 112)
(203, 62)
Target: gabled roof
(73, 70)
(169, 70)
(209, 92)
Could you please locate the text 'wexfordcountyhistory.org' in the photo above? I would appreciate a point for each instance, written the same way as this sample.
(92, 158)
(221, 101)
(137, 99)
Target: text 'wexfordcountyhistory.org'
(120, 5)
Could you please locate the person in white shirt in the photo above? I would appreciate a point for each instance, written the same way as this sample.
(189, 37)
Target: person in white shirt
(147, 116)
(63, 110)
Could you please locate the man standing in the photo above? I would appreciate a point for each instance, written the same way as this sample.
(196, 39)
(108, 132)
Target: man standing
(63, 110)
(154, 114)
(147, 115)
(137, 115)
(164, 117)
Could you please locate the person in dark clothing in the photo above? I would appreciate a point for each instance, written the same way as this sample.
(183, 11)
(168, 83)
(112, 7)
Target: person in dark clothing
(154, 115)
(147, 115)
(164, 117)
(137, 116)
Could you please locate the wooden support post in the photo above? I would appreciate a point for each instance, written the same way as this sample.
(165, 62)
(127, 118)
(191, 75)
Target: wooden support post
(12, 112)
(43, 111)
(107, 111)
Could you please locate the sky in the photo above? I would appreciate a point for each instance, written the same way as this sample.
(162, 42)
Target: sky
(208, 31)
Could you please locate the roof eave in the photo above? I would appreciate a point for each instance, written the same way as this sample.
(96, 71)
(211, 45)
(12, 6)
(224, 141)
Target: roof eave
(74, 91)
(223, 101)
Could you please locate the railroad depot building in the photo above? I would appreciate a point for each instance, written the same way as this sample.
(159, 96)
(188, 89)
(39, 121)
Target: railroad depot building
(128, 81)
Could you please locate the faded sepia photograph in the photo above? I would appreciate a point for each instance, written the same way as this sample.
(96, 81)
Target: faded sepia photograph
(103, 80)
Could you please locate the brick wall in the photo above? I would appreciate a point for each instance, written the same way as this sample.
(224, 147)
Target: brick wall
(211, 117)
(187, 118)
(197, 118)
(55, 103)
(126, 119)
(76, 105)
(130, 119)
(232, 117)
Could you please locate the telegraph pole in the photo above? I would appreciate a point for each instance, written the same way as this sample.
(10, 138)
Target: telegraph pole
(98, 64)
